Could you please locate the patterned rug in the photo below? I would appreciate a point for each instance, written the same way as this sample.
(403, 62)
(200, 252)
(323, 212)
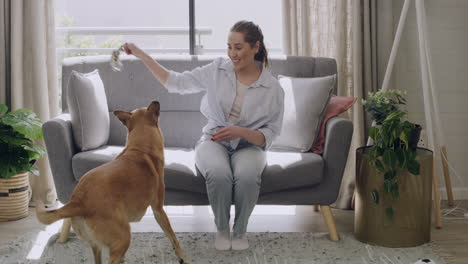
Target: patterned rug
(272, 248)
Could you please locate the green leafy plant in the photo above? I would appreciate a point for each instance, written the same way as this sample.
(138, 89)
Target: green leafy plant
(380, 104)
(18, 153)
(392, 151)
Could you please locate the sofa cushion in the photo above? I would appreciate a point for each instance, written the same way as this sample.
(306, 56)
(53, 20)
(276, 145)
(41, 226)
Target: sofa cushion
(337, 106)
(88, 109)
(179, 169)
(284, 170)
(305, 101)
(290, 170)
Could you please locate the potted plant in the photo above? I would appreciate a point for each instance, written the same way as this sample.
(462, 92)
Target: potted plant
(395, 140)
(381, 104)
(18, 154)
(389, 169)
(391, 153)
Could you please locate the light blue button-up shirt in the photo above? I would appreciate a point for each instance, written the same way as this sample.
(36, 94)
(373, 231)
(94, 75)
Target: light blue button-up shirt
(261, 110)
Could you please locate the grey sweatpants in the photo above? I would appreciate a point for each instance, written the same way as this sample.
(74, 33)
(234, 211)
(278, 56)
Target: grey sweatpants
(231, 175)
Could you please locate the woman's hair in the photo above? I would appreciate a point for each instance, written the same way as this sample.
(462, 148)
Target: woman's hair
(252, 34)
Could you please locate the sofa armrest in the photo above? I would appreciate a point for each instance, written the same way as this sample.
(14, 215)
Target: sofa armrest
(339, 133)
(58, 138)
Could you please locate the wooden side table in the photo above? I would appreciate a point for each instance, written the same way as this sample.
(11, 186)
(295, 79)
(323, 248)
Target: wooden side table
(411, 221)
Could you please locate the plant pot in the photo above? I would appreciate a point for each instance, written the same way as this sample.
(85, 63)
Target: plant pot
(411, 222)
(14, 197)
(415, 135)
(414, 138)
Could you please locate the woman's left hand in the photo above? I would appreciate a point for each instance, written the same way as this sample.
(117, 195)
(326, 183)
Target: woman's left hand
(228, 133)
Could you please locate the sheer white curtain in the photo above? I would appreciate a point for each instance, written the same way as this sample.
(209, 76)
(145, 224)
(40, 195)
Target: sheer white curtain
(348, 31)
(32, 72)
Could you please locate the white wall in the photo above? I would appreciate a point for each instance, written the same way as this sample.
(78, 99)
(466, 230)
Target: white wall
(448, 36)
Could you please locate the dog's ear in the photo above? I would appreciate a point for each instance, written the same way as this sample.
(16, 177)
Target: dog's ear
(123, 116)
(154, 107)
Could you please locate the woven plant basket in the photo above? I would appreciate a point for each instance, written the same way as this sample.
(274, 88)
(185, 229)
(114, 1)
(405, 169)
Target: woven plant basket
(14, 197)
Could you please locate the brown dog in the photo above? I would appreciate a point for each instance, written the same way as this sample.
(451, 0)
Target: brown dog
(110, 196)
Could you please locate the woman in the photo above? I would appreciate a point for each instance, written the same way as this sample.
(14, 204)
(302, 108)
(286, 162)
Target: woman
(244, 107)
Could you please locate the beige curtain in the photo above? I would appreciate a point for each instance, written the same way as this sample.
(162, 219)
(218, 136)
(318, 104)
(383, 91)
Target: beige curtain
(32, 71)
(358, 34)
(4, 52)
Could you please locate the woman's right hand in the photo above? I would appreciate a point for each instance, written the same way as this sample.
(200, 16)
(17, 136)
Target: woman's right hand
(131, 48)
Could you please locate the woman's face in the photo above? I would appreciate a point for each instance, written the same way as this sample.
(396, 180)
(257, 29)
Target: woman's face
(240, 52)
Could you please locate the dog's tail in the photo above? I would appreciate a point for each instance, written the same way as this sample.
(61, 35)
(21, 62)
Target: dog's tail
(48, 217)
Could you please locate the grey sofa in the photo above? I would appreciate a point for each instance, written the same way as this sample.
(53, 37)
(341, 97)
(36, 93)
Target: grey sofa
(288, 179)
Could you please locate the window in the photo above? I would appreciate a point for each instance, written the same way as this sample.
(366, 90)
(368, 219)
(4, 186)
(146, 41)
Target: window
(89, 27)
(220, 16)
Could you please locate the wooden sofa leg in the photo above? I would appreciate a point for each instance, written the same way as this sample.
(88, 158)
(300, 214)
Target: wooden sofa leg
(316, 208)
(330, 221)
(65, 230)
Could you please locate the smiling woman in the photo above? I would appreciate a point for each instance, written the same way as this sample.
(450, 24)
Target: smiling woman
(247, 39)
(244, 105)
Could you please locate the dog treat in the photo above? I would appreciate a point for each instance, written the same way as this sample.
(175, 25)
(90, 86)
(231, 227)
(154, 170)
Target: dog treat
(115, 62)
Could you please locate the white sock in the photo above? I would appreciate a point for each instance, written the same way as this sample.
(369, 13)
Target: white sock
(240, 242)
(222, 241)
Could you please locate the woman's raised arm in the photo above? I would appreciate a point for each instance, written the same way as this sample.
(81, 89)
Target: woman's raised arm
(161, 73)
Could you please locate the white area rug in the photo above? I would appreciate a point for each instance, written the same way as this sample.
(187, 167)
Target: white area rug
(272, 248)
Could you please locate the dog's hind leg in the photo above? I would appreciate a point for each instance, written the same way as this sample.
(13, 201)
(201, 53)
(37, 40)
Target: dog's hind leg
(112, 233)
(118, 240)
(96, 253)
(118, 249)
(65, 231)
(163, 221)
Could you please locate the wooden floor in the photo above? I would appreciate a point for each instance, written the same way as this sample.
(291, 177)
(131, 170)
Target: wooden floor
(451, 240)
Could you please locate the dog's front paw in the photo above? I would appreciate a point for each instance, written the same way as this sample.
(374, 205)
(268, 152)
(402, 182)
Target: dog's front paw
(183, 261)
